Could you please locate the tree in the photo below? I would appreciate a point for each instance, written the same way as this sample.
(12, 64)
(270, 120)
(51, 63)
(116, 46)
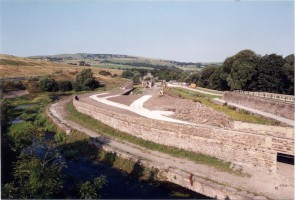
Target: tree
(240, 69)
(127, 74)
(270, 74)
(85, 80)
(136, 77)
(216, 81)
(38, 174)
(4, 113)
(205, 75)
(288, 76)
(91, 189)
(48, 84)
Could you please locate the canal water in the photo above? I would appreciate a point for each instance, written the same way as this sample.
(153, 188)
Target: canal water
(120, 185)
(123, 186)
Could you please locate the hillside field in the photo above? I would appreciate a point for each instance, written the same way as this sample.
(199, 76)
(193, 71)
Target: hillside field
(11, 66)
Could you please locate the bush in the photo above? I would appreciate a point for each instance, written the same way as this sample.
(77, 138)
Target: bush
(91, 189)
(48, 84)
(85, 81)
(60, 137)
(105, 73)
(65, 86)
(32, 85)
(12, 86)
(21, 134)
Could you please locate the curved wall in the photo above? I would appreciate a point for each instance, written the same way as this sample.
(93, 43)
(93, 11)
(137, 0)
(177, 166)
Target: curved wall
(241, 148)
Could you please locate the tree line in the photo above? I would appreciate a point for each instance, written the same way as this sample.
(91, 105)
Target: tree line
(246, 71)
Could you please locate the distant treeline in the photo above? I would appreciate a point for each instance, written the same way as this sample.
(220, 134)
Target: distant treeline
(246, 71)
(141, 64)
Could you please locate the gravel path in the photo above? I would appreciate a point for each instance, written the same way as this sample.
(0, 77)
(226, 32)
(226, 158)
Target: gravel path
(196, 90)
(263, 182)
(265, 114)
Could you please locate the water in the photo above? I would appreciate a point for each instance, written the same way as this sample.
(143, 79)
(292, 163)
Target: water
(121, 185)
(21, 107)
(16, 120)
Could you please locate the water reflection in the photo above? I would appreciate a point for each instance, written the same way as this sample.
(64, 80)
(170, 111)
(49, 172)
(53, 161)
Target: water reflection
(121, 185)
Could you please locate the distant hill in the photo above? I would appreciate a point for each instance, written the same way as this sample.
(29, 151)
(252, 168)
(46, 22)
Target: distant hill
(122, 61)
(12, 66)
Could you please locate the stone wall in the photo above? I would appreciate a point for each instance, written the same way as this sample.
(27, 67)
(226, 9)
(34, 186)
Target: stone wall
(279, 108)
(241, 148)
(280, 97)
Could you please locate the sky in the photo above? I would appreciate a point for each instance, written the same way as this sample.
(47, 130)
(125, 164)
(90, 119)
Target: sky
(189, 31)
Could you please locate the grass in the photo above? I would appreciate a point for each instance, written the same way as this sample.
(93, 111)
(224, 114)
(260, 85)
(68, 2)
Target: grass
(16, 67)
(137, 89)
(105, 130)
(77, 144)
(232, 113)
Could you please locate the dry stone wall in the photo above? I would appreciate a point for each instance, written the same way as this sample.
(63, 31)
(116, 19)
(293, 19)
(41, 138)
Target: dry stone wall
(270, 106)
(241, 148)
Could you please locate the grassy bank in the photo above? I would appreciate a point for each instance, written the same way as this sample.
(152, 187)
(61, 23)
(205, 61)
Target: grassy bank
(231, 112)
(105, 130)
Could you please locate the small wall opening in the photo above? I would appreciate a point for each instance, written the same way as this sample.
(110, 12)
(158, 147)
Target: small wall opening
(285, 158)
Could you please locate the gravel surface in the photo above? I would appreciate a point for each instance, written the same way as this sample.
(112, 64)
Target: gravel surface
(188, 110)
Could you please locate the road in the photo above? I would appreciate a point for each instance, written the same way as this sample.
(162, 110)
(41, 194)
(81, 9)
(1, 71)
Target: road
(263, 182)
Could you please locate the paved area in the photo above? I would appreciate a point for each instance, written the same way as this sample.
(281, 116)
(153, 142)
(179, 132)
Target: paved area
(264, 183)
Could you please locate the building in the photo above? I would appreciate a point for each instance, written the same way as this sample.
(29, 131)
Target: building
(148, 81)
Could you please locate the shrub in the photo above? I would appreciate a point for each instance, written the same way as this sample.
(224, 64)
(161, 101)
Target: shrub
(85, 81)
(105, 73)
(65, 86)
(12, 85)
(91, 189)
(32, 85)
(21, 134)
(60, 137)
(48, 84)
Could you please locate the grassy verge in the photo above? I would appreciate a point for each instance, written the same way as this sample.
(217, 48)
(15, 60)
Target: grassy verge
(137, 89)
(231, 112)
(105, 130)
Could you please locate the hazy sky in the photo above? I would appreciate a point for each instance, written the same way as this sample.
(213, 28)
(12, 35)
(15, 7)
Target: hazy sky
(178, 30)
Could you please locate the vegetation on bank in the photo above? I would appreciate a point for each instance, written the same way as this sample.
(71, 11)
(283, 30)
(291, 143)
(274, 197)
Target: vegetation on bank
(237, 115)
(34, 164)
(105, 130)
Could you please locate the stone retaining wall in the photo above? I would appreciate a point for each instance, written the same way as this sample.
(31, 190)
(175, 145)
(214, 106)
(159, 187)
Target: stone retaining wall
(241, 148)
(282, 109)
(280, 97)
